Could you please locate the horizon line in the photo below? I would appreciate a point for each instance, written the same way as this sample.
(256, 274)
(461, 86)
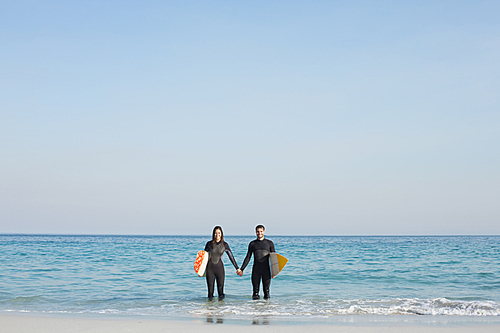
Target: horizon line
(271, 235)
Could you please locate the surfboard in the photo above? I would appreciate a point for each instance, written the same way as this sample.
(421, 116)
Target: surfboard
(200, 263)
(277, 263)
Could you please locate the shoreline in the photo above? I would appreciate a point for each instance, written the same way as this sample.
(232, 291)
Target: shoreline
(59, 323)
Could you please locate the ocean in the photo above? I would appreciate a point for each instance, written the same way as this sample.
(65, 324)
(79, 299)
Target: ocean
(327, 279)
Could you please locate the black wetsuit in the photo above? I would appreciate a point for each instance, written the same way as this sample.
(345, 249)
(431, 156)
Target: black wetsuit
(261, 269)
(215, 267)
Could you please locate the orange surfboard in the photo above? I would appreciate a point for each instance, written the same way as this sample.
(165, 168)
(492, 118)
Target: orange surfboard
(200, 263)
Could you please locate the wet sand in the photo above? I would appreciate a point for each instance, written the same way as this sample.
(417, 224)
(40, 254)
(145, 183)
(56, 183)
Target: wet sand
(18, 323)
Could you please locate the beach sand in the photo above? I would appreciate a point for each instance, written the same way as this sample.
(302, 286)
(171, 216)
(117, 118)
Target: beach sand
(45, 324)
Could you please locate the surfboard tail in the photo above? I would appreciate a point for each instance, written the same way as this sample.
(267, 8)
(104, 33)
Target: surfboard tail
(282, 261)
(278, 262)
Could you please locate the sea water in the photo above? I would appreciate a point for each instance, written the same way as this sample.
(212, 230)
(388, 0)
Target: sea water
(327, 279)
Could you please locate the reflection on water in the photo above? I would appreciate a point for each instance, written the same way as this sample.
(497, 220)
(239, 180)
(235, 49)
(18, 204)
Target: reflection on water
(260, 321)
(255, 321)
(215, 320)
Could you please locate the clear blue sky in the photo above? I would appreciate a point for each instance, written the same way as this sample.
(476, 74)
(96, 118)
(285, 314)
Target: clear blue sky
(323, 117)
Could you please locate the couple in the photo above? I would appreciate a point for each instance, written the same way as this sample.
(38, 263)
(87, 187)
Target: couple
(260, 248)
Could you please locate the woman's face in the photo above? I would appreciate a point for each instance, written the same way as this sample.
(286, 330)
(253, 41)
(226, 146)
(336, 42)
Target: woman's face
(218, 235)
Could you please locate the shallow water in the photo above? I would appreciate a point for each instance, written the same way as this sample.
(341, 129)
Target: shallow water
(327, 278)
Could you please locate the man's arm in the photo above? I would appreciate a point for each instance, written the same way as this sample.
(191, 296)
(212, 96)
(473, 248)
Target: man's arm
(272, 247)
(247, 258)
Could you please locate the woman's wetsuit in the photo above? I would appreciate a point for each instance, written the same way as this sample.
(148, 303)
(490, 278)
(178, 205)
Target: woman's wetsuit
(261, 269)
(215, 267)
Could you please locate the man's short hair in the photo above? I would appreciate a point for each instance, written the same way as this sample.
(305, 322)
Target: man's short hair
(260, 226)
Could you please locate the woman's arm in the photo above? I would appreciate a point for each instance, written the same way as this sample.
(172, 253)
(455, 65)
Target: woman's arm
(230, 255)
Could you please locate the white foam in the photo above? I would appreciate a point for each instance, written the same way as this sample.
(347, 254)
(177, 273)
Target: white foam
(400, 306)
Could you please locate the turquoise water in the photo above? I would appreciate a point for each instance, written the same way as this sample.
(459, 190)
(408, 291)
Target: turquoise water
(327, 278)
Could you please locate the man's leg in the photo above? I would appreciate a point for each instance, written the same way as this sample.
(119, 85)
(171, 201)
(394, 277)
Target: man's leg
(266, 282)
(255, 282)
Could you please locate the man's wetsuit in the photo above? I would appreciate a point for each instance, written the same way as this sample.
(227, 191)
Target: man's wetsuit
(215, 267)
(261, 269)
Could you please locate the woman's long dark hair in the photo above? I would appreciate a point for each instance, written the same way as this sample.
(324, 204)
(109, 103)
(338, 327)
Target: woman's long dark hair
(221, 234)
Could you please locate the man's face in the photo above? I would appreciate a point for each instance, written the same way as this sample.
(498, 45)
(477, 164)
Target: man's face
(260, 233)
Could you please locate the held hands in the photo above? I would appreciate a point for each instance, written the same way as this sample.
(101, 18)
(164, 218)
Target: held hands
(239, 272)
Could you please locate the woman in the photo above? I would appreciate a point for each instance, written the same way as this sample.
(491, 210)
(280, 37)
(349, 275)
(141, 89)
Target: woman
(215, 267)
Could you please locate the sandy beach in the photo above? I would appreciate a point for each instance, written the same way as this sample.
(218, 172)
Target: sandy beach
(20, 323)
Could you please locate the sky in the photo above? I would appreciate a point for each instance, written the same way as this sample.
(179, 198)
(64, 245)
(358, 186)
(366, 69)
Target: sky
(310, 117)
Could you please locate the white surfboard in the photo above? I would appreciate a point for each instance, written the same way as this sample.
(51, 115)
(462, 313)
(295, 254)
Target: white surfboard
(200, 263)
(278, 262)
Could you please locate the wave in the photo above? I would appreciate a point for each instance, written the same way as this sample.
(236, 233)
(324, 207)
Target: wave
(288, 309)
(399, 306)
(415, 306)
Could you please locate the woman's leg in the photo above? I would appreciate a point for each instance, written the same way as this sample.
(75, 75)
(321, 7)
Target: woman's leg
(220, 275)
(210, 275)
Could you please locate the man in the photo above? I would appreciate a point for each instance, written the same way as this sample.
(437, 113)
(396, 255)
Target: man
(260, 248)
